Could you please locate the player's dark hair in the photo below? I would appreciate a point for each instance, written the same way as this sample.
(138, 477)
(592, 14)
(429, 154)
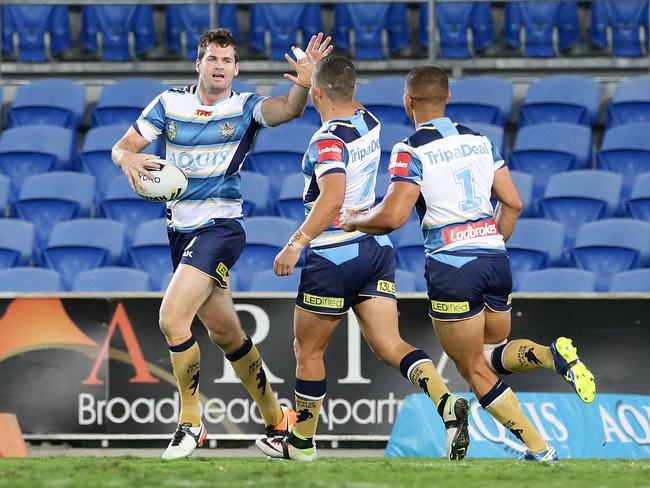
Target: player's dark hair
(220, 37)
(336, 76)
(428, 83)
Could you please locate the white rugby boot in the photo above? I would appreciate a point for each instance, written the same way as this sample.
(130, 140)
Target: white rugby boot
(185, 440)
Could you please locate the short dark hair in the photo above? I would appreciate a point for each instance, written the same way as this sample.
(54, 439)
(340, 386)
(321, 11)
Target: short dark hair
(336, 76)
(220, 37)
(428, 84)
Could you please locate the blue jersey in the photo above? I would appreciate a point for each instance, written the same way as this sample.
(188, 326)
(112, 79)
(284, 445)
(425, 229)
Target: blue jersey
(209, 143)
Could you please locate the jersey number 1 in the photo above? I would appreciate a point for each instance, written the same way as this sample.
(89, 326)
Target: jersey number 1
(465, 179)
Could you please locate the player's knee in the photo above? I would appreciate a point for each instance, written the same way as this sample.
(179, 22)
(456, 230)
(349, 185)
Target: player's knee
(171, 324)
(305, 351)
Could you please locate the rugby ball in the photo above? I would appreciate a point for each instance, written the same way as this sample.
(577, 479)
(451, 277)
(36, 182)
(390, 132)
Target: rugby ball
(168, 184)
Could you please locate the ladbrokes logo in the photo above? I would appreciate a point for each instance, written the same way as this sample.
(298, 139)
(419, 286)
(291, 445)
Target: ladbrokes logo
(329, 150)
(484, 228)
(399, 164)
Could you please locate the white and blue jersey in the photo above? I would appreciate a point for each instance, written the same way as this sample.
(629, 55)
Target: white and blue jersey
(347, 145)
(209, 143)
(454, 167)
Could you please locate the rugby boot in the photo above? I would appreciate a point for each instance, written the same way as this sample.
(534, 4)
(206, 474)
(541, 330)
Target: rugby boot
(568, 365)
(549, 455)
(454, 416)
(285, 425)
(185, 440)
(287, 447)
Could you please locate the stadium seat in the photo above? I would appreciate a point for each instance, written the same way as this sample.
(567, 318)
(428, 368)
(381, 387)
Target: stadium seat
(265, 238)
(546, 149)
(612, 245)
(25, 29)
(49, 102)
(150, 250)
(616, 26)
(454, 22)
(495, 133)
(279, 151)
(558, 280)
(26, 280)
(404, 281)
(410, 247)
(535, 244)
(390, 135)
(381, 186)
(184, 25)
(630, 103)
(16, 242)
(383, 97)
(123, 101)
(563, 98)
(165, 280)
(81, 244)
(625, 150)
(255, 191)
(310, 115)
(290, 202)
(359, 28)
(635, 281)
(107, 29)
(545, 27)
(111, 278)
(268, 281)
(578, 197)
(283, 22)
(123, 205)
(524, 184)
(242, 86)
(5, 188)
(638, 205)
(28, 150)
(486, 99)
(96, 159)
(49, 198)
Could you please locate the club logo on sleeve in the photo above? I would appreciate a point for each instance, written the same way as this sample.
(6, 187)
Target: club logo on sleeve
(329, 150)
(399, 164)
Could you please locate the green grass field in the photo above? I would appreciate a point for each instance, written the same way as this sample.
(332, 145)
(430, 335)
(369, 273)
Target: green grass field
(89, 472)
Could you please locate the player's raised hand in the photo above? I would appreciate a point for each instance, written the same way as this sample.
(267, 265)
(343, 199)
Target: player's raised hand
(286, 260)
(346, 220)
(137, 164)
(318, 48)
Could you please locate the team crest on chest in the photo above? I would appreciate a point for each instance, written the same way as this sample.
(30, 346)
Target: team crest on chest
(227, 130)
(172, 130)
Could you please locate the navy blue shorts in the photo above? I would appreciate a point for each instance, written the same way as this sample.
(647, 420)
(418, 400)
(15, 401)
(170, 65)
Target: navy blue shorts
(213, 249)
(461, 284)
(340, 276)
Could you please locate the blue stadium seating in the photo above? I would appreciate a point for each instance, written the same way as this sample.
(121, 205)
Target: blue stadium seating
(638, 205)
(28, 150)
(383, 97)
(31, 23)
(625, 150)
(625, 19)
(268, 281)
(546, 149)
(111, 278)
(114, 23)
(362, 25)
(310, 116)
(578, 197)
(49, 198)
(454, 21)
(290, 203)
(123, 101)
(539, 20)
(81, 244)
(16, 242)
(279, 151)
(96, 159)
(123, 205)
(243, 86)
(49, 102)
(255, 191)
(390, 135)
(410, 248)
(404, 281)
(265, 237)
(283, 21)
(634, 281)
(485, 99)
(535, 244)
(5, 188)
(630, 103)
(612, 245)
(493, 132)
(150, 250)
(381, 186)
(563, 98)
(165, 280)
(558, 280)
(184, 25)
(524, 184)
(23, 279)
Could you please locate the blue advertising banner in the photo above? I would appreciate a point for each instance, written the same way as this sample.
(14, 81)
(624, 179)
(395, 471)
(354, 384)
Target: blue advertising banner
(613, 426)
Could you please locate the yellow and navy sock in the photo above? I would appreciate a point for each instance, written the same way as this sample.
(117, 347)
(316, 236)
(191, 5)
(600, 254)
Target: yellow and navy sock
(186, 363)
(309, 400)
(418, 368)
(520, 355)
(247, 363)
(502, 404)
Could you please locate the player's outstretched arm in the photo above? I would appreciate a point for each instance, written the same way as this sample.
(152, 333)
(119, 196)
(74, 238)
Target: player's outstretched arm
(510, 206)
(126, 154)
(390, 214)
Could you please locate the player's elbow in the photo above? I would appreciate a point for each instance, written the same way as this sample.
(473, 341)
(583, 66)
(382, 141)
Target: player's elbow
(394, 220)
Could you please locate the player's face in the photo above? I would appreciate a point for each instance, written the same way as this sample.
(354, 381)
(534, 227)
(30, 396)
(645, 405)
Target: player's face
(217, 68)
